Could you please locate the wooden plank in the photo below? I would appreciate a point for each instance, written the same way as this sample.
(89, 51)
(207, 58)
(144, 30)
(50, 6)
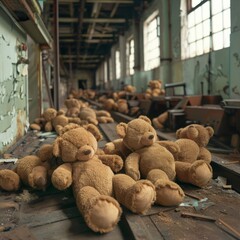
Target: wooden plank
(19, 233)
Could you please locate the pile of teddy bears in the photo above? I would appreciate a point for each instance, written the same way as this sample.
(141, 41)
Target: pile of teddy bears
(135, 171)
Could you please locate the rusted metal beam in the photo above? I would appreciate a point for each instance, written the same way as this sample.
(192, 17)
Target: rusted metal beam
(56, 56)
(93, 1)
(92, 20)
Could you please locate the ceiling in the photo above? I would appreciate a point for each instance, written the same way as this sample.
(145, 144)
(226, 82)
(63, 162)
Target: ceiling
(88, 28)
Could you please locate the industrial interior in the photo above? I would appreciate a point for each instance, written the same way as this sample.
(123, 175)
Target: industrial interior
(120, 119)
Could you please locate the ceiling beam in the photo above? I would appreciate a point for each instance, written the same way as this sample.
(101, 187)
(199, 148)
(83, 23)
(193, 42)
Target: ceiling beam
(87, 57)
(92, 20)
(95, 35)
(70, 40)
(91, 1)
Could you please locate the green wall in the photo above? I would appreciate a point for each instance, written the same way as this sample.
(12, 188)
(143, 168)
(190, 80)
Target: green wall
(13, 82)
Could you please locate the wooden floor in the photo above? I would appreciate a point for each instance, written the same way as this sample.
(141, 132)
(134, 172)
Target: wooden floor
(50, 215)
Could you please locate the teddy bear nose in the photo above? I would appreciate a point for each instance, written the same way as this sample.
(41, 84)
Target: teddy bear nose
(87, 152)
(151, 137)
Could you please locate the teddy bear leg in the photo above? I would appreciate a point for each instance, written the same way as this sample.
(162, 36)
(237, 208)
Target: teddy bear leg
(137, 196)
(157, 124)
(198, 173)
(9, 180)
(168, 193)
(101, 212)
(38, 178)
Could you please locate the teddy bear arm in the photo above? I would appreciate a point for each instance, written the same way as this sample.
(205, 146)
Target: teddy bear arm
(48, 126)
(170, 146)
(62, 176)
(115, 162)
(132, 166)
(205, 155)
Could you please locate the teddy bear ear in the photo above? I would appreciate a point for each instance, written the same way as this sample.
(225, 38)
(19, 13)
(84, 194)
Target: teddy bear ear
(56, 146)
(146, 119)
(178, 132)
(210, 131)
(94, 130)
(192, 132)
(121, 129)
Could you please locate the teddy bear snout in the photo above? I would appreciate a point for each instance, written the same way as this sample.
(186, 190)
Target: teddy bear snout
(85, 153)
(147, 139)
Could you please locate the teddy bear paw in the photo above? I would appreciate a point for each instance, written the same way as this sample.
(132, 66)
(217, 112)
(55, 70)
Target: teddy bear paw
(62, 182)
(104, 215)
(168, 193)
(141, 196)
(117, 163)
(200, 173)
(133, 174)
(9, 180)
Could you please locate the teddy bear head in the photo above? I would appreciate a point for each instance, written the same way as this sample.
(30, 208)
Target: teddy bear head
(155, 84)
(129, 88)
(76, 143)
(49, 114)
(138, 133)
(198, 133)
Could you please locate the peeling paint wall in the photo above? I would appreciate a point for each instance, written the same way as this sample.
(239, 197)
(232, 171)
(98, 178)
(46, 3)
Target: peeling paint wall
(13, 82)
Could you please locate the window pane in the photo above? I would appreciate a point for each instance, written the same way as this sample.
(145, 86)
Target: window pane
(199, 32)
(206, 28)
(206, 44)
(226, 37)
(198, 15)
(226, 4)
(226, 19)
(218, 41)
(195, 3)
(217, 22)
(199, 46)
(191, 19)
(192, 35)
(216, 6)
(192, 49)
(205, 10)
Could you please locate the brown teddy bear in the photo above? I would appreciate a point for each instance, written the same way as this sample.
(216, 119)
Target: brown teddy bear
(35, 170)
(147, 158)
(45, 121)
(122, 106)
(110, 104)
(193, 159)
(93, 180)
(154, 89)
(73, 107)
(104, 116)
(88, 115)
(129, 89)
(9, 180)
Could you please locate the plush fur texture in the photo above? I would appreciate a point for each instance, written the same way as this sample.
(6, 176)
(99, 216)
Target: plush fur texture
(146, 158)
(93, 181)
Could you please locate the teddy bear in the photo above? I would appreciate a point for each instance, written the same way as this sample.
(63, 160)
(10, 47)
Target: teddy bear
(76, 93)
(154, 89)
(93, 181)
(147, 158)
(73, 107)
(9, 180)
(35, 170)
(88, 115)
(110, 104)
(129, 89)
(193, 159)
(104, 116)
(45, 121)
(122, 106)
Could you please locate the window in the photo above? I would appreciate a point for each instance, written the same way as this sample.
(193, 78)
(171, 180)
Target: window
(152, 42)
(208, 26)
(105, 71)
(110, 69)
(130, 57)
(117, 64)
